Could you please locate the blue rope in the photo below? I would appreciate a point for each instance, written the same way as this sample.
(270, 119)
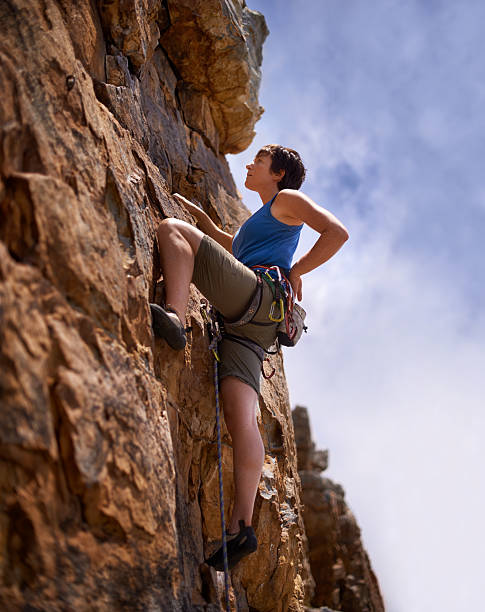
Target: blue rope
(214, 333)
(221, 488)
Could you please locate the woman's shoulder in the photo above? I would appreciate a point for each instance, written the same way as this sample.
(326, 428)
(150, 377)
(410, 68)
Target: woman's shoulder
(290, 193)
(290, 198)
(286, 206)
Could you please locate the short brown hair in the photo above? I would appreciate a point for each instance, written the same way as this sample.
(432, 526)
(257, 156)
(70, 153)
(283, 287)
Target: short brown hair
(283, 158)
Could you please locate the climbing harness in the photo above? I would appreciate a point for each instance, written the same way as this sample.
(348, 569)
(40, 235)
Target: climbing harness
(218, 329)
(277, 306)
(283, 310)
(214, 333)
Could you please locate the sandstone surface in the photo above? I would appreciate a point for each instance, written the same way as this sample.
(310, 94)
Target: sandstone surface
(108, 471)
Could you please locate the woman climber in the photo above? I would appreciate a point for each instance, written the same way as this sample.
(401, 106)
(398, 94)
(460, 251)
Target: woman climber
(223, 267)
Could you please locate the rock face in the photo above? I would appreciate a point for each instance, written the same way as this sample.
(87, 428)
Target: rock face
(108, 478)
(344, 579)
(108, 470)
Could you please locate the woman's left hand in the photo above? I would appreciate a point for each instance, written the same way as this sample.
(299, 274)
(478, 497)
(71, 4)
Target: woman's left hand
(296, 284)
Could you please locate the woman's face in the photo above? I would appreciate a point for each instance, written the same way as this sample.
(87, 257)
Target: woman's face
(259, 174)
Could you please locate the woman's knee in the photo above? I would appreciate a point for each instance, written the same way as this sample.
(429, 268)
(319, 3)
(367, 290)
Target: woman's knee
(171, 225)
(176, 228)
(239, 402)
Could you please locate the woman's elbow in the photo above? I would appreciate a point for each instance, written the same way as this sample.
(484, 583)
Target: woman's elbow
(341, 234)
(335, 233)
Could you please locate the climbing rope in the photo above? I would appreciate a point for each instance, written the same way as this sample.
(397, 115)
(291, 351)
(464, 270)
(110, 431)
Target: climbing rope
(221, 489)
(214, 338)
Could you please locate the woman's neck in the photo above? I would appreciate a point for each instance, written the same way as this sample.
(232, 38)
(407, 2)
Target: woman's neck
(267, 194)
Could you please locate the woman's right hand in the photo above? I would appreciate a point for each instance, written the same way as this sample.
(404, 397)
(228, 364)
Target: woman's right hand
(192, 208)
(205, 223)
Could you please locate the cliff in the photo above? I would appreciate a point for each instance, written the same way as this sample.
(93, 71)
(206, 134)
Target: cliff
(108, 479)
(339, 564)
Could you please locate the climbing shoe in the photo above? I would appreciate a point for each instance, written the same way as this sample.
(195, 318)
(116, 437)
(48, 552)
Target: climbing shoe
(243, 544)
(167, 325)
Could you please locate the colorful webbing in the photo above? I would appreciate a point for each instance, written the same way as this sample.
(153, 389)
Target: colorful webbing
(276, 274)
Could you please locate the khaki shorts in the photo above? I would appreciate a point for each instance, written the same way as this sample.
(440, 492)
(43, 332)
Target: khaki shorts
(229, 286)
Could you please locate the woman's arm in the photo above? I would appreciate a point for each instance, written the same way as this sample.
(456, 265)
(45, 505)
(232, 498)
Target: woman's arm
(205, 223)
(294, 207)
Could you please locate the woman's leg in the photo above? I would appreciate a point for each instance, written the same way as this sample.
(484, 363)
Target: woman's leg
(178, 243)
(240, 403)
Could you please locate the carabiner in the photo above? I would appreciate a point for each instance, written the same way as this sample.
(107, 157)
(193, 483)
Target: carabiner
(278, 272)
(272, 310)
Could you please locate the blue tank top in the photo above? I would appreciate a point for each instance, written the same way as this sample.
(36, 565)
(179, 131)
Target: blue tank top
(263, 240)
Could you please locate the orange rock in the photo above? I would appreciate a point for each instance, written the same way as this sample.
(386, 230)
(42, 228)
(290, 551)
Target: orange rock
(108, 485)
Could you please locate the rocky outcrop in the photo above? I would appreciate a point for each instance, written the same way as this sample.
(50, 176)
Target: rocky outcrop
(108, 479)
(343, 575)
(216, 47)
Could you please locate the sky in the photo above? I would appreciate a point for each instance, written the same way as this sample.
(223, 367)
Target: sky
(385, 102)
